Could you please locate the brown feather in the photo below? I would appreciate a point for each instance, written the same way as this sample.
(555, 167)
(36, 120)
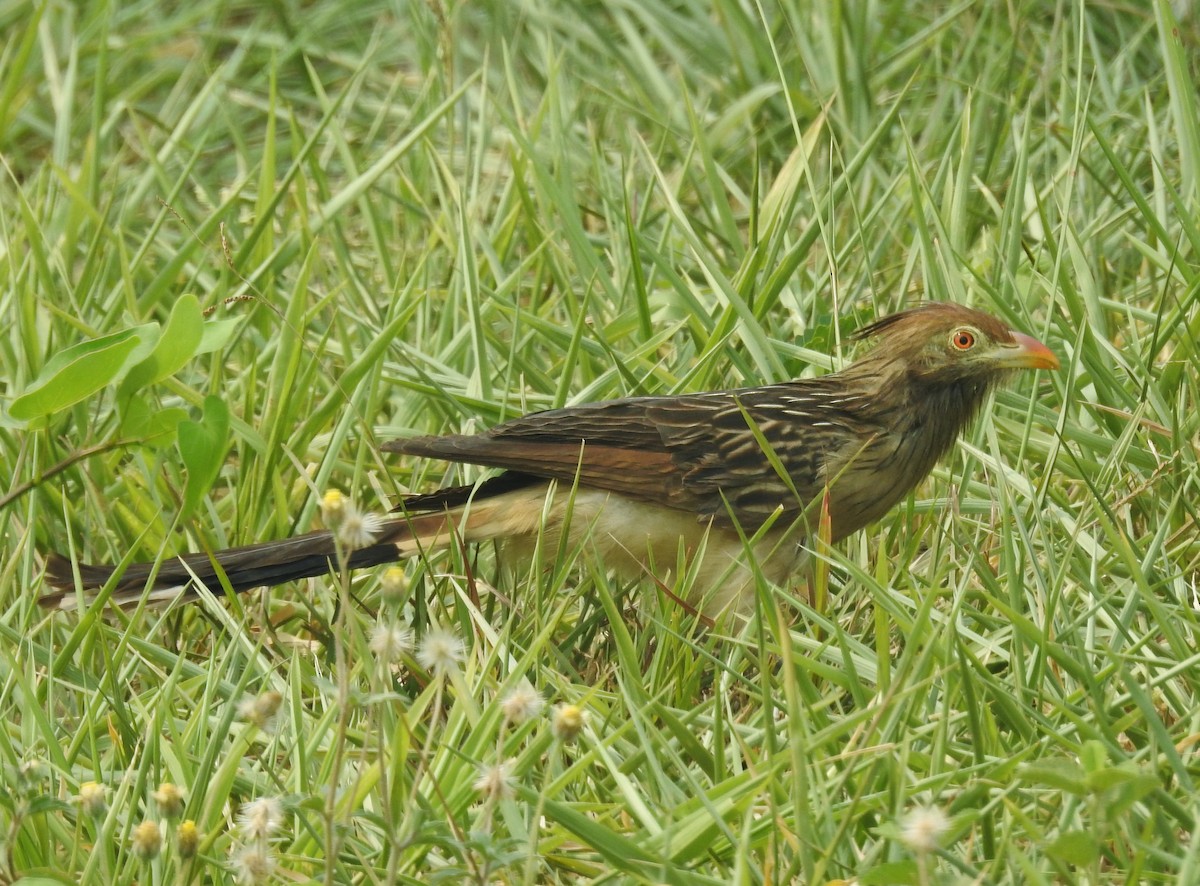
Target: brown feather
(700, 452)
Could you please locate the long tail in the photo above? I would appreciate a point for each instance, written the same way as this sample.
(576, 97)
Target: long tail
(506, 509)
(252, 566)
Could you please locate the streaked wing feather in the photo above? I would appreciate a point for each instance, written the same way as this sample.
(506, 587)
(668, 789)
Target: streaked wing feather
(694, 452)
(638, 473)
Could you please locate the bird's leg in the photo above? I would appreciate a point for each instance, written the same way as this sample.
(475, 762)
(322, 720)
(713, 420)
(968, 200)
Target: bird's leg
(821, 541)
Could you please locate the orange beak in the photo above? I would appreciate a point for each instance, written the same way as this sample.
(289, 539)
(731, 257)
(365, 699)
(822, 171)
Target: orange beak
(1026, 352)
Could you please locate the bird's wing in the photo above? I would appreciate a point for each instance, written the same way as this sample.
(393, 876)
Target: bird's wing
(696, 452)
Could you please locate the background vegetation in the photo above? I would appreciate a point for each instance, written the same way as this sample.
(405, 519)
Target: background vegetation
(426, 217)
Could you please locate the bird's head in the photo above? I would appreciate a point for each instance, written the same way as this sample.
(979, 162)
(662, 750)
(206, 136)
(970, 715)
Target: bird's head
(943, 343)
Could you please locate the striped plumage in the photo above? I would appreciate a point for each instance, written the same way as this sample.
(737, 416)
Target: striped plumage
(649, 475)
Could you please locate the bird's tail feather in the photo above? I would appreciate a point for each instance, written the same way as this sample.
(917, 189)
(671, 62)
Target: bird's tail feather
(508, 511)
(240, 569)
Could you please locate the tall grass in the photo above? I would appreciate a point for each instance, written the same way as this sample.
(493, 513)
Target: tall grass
(403, 218)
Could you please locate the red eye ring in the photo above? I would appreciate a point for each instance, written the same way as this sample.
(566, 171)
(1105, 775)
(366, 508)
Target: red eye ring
(963, 339)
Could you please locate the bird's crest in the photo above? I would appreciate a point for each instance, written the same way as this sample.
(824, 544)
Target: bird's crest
(923, 317)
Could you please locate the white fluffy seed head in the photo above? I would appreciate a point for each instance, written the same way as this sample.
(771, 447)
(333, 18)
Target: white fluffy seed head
(441, 651)
(522, 703)
(922, 828)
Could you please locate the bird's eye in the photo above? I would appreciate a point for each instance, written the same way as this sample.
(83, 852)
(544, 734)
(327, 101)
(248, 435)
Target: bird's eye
(963, 340)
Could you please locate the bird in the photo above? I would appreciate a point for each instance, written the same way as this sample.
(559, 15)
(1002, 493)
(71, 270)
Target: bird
(736, 481)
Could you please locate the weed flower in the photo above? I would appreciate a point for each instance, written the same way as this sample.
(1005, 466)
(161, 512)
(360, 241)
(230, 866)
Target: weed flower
(261, 709)
(92, 798)
(169, 800)
(261, 818)
(32, 771)
(187, 839)
(441, 652)
(358, 529)
(922, 829)
(333, 508)
(390, 641)
(568, 721)
(393, 587)
(522, 703)
(354, 528)
(146, 840)
(496, 782)
(252, 865)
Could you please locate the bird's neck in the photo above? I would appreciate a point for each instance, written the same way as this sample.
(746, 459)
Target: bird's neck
(938, 415)
(925, 414)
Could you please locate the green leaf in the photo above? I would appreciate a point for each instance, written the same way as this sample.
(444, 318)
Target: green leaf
(1058, 772)
(202, 446)
(1093, 756)
(1074, 847)
(147, 334)
(176, 345)
(215, 333)
(75, 374)
(891, 873)
(151, 426)
(1133, 791)
(1111, 777)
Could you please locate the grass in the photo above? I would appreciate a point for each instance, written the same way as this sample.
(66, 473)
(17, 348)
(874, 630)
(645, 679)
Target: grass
(429, 218)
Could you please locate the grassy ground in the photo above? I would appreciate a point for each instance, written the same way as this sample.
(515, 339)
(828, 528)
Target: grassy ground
(430, 217)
